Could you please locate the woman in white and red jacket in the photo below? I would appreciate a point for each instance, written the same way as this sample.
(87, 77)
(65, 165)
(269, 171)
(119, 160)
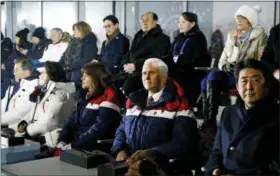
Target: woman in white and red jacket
(53, 102)
(97, 115)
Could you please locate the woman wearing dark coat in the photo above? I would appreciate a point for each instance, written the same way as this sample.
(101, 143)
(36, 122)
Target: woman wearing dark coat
(85, 52)
(40, 43)
(189, 50)
(21, 44)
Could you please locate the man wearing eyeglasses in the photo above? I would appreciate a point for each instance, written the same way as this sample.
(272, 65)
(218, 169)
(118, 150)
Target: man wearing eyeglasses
(115, 45)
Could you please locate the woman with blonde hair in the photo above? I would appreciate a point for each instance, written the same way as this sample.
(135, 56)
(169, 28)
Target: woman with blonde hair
(84, 51)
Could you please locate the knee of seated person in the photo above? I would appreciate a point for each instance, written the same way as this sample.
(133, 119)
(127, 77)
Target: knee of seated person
(203, 84)
(215, 75)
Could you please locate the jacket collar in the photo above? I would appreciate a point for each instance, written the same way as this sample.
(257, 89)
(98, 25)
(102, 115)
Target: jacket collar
(154, 31)
(115, 34)
(170, 92)
(259, 112)
(256, 32)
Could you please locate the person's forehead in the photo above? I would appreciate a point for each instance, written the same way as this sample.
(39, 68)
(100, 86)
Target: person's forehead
(108, 22)
(150, 67)
(147, 16)
(249, 72)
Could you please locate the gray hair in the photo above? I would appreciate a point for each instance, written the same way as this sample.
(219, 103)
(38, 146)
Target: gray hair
(57, 29)
(160, 64)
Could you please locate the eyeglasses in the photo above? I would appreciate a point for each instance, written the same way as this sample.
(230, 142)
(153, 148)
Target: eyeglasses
(107, 26)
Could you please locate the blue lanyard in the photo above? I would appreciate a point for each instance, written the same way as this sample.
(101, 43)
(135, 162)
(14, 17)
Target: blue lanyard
(182, 48)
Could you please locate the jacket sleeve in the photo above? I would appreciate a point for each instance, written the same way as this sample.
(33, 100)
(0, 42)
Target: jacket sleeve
(5, 82)
(216, 158)
(21, 108)
(67, 133)
(160, 50)
(108, 113)
(268, 54)
(184, 136)
(89, 53)
(226, 53)
(261, 45)
(123, 48)
(36, 53)
(119, 143)
(50, 119)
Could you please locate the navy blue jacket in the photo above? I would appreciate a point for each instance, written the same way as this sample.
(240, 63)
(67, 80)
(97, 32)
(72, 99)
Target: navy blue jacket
(96, 118)
(111, 54)
(166, 127)
(37, 51)
(247, 140)
(88, 53)
(5, 82)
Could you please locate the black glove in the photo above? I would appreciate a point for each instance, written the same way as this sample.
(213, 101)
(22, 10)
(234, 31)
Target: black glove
(229, 67)
(8, 132)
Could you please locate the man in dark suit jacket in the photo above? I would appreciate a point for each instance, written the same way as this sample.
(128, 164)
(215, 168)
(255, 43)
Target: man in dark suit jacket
(149, 42)
(271, 53)
(247, 141)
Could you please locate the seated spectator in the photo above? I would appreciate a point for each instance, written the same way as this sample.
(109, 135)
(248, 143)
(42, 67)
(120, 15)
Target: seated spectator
(55, 50)
(6, 48)
(247, 141)
(16, 104)
(97, 114)
(40, 43)
(84, 53)
(271, 53)
(158, 123)
(115, 45)
(21, 44)
(188, 50)
(245, 42)
(53, 100)
(149, 42)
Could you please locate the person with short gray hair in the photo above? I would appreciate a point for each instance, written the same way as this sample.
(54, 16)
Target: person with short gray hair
(148, 42)
(161, 122)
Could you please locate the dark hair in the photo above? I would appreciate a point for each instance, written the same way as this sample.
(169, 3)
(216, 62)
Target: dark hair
(155, 17)
(55, 71)
(255, 64)
(99, 74)
(112, 18)
(191, 17)
(26, 64)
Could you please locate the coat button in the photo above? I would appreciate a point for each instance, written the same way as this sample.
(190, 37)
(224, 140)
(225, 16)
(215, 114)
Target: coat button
(231, 148)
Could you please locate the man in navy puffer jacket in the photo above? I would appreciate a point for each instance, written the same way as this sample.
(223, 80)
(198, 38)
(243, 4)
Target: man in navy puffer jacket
(158, 123)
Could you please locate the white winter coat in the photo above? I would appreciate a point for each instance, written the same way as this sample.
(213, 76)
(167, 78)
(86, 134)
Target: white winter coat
(49, 115)
(250, 49)
(19, 105)
(54, 52)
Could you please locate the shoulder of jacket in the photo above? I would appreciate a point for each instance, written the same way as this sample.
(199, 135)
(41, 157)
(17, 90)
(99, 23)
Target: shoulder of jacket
(60, 94)
(257, 32)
